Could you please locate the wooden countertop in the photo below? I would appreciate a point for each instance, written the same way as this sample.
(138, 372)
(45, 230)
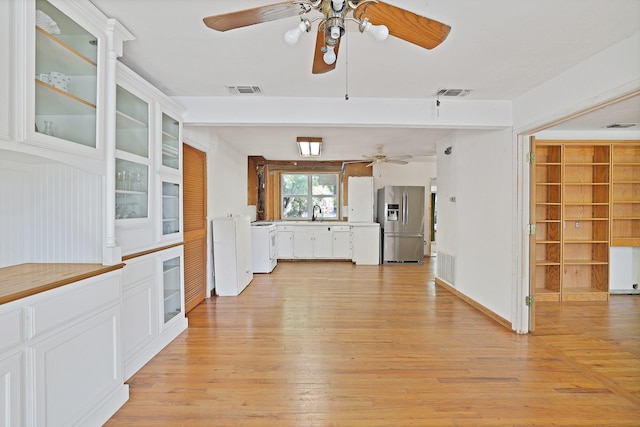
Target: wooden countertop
(23, 280)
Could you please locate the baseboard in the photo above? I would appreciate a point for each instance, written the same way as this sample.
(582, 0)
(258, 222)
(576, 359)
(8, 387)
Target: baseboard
(497, 318)
(134, 364)
(624, 291)
(108, 407)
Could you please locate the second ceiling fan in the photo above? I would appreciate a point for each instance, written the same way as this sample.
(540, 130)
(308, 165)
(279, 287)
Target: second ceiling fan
(373, 16)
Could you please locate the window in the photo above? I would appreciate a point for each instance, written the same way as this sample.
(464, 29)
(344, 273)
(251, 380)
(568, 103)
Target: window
(301, 192)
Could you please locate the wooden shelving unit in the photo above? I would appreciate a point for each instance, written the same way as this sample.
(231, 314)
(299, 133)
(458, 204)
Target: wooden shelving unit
(571, 210)
(625, 194)
(585, 251)
(547, 194)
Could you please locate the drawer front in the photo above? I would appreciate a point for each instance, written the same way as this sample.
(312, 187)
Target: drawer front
(11, 329)
(282, 228)
(85, 298)
(138, 270)
(340, 228)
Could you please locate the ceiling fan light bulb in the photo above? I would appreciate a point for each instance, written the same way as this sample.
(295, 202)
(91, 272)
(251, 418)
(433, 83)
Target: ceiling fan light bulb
(379, 32)
(335, 32)
(329, 56)
(292, 36)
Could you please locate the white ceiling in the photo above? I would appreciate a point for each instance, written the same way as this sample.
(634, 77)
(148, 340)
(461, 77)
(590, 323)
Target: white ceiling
(498, 48)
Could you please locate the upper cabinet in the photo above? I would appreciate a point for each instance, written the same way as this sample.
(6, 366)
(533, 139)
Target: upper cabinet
(132, 156)
(5, 72)
(171, 149)
(148, 165)
(66, 82)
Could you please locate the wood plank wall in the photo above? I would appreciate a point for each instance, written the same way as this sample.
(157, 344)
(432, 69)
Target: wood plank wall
(263, 180)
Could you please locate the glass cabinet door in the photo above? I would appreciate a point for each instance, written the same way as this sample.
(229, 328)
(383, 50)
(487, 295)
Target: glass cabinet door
(132, 123)
(66, 77)
(132, 190)
(132, 156)
(170, 142)
(172, 284)
(170, 208)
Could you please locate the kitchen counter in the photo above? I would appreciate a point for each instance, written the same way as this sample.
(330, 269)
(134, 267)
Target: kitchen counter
(23, 280)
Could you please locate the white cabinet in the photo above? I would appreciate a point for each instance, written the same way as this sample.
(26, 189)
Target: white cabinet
(6, 79)
(62, 363)
(11, 384)
(360, 199)
(365, 244)
(359, 242)
(312, 242)
(232, 255)
(66, 78)
(77, 369)
(152, 306)
(285, 242)
(148, 166)
(341, 235)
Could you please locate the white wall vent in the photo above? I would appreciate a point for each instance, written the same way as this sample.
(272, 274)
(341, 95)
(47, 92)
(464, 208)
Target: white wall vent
(446, 268)
(244, 90)
(453, 92)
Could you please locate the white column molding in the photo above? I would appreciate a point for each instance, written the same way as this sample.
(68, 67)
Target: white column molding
(116, 35)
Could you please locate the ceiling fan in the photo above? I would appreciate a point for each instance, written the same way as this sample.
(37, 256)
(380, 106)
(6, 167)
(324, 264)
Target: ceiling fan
(373, 16)
(379, 157)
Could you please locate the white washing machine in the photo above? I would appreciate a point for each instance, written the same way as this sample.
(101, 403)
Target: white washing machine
(264, 247)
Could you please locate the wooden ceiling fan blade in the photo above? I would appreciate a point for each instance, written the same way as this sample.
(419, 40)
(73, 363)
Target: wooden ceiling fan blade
(258, 15)
(319, 66)
(408, 26)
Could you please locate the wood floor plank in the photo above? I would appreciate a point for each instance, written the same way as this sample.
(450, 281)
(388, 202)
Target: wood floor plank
(333, 344)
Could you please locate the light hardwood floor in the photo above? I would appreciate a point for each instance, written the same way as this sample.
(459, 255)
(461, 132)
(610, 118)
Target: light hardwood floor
(333, 344)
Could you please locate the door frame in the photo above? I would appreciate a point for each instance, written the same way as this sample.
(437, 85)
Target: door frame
(524, 316)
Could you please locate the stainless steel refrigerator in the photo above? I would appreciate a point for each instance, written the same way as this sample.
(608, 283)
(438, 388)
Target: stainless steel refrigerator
(401, 218)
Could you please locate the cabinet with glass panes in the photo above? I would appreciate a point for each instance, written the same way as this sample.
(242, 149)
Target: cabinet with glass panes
(170, 208)
(172, 294)
(170, 142)
(66, 79)
(132, 156)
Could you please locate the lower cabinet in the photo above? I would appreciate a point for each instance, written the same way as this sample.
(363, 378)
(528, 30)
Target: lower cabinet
(365, 244)
(341, 245)
(11, 390)
(152, 306)
(78, 369)
(60, 355)
(359, 242)
(285, 242)
(312, 242)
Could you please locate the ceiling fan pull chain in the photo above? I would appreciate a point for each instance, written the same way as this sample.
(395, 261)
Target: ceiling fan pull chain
(346, 67)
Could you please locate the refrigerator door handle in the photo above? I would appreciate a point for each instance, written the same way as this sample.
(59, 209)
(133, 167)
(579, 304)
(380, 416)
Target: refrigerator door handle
(405, 208)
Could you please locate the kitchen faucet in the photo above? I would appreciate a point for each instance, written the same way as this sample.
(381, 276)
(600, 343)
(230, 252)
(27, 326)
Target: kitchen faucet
(313, 215)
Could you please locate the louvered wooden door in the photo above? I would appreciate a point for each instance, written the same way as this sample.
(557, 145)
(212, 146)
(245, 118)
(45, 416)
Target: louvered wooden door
(195, 226)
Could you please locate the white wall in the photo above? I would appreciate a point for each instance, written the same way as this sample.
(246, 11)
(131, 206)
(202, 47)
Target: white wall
(476, 228)
(605, 76)
(49, 212)
(226, 181)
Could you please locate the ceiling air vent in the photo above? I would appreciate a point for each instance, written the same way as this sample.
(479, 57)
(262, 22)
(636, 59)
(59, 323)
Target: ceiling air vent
(244, 90)
(453, 92)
